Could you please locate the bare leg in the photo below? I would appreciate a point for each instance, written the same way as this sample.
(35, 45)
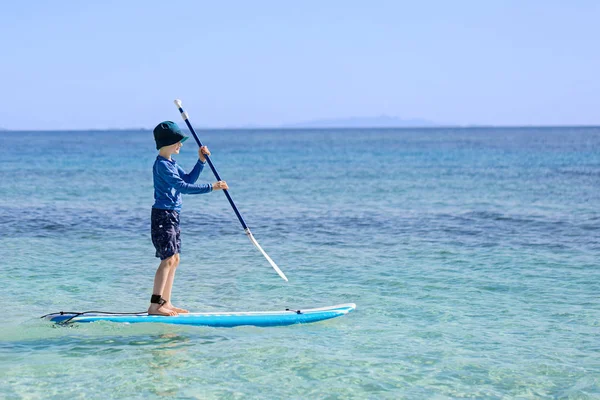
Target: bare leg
(169, 288)
(166, 267)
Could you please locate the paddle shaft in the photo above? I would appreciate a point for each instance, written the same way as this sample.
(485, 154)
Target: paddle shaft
(214, 170)
(211, 165)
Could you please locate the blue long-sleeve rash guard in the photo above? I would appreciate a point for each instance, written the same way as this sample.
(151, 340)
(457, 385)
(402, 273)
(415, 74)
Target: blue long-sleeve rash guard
(170, 181)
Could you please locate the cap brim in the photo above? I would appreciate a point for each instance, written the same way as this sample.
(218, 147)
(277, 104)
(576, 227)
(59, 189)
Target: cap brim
(184, 139)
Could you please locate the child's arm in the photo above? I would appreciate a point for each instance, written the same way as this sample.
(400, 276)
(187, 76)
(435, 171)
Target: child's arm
(171, 176)
(192, 177)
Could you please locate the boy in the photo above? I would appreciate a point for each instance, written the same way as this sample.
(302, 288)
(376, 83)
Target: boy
(170, 180)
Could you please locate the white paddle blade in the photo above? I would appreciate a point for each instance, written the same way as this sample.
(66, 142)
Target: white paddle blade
(275, 267)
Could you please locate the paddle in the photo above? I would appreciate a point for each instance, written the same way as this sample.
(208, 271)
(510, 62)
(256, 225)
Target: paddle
(184, 115)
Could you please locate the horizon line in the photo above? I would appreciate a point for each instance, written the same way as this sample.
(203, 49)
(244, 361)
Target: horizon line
(291, 128)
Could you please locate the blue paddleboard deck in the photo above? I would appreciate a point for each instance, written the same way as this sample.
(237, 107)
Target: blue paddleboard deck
(215, 319)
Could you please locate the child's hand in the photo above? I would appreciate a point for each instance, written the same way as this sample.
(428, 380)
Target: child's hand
(203, 151)
(220, 185)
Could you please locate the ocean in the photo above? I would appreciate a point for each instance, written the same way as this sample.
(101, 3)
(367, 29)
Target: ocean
(473, 256)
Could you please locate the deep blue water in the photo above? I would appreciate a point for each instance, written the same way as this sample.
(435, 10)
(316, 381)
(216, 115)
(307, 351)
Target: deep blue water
(472, 254)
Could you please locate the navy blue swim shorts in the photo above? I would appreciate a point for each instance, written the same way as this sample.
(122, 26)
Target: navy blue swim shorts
(166, 236)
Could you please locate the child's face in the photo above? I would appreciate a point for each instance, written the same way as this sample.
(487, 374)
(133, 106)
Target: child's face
(174, 148)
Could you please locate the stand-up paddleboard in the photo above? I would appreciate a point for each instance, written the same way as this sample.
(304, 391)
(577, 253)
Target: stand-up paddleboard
(216, 319)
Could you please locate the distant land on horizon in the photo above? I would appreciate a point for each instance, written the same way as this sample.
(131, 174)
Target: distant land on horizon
(382, 121)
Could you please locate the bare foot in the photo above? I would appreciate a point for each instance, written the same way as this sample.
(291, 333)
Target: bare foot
(176, 309)
(157, 309)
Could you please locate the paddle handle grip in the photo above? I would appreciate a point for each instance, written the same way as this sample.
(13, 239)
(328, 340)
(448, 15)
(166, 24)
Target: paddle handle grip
(185, 117)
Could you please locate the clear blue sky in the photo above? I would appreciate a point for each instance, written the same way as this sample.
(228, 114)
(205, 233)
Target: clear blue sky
(102, 64)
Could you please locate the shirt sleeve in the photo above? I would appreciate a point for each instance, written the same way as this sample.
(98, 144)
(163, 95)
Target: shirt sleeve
(192, 177)
(171, 175)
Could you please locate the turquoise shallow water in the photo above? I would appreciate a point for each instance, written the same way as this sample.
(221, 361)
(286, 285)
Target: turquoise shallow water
(472, 254)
